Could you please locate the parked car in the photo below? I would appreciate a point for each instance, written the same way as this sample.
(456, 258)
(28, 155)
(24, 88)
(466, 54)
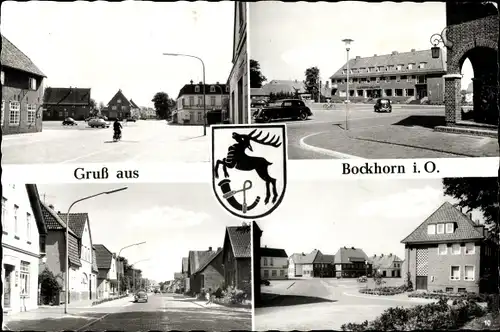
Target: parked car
(382, 105)
(130, 120)
(98, 123)
(258, 103)
(265, 282)
(363, 279)
(69, 122)
(141, 296)
(282, 109)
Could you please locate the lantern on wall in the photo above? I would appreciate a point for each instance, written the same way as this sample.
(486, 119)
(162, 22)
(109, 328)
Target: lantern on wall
(436, 40)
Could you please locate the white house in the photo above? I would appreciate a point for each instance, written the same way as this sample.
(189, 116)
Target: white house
(107, 282)
(273, 263)
(23, 245)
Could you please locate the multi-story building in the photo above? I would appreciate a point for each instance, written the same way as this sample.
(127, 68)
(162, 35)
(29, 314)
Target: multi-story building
(107, 279)
(238, 78)
(82, 275)
(210, 274)
(387, 265)
(312, 265)
(451, 252)
(23, 245)
(352, 263)
(119, 107)
(190, 107)
(273, 263)
(22, 92)
(60, 103)
(413, 76)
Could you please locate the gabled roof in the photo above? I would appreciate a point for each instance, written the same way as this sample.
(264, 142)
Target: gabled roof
(209, 259)
(384, 261)
(197, 258)
(134, 105)
(305, 258)
(104, 256)
(273, 252)
(257, 92)
(119, 95)
(394, 59)
(185, 264)
(34, 199)
(13, 57)
(239, 238)
(94, 261)
(324, 259)
(77, 222)
(349, 255)
(190, 89)
(465, 228)
(66, 96)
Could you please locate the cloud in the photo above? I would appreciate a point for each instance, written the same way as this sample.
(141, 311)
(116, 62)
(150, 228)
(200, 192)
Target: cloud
(167, 218)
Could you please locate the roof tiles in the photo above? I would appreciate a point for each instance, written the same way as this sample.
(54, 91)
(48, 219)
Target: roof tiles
(239, 237)
(66, 96)
(273, 252)
(13, 57)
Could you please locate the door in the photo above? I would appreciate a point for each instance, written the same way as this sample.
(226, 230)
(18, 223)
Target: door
(7, 285)
(421, 283)
(422, 268)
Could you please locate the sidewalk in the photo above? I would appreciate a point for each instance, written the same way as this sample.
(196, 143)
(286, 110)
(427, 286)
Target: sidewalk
(203, 303)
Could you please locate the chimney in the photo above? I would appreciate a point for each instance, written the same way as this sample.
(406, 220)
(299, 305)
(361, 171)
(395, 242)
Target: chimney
(327, 84)
(353, 248)
(358, 57)
(51, 206)
(469, 215)
(303, 254)
(244, 224)
(382, 255)
(375, 255)
(295, 81)
(265, 246)
(201, 83)
(375, 55)
(209, 248)
(219, 248)
(413, 50)
(217, 82)
(394, 52)
(191, 82)
(390, 255)
(345, 247)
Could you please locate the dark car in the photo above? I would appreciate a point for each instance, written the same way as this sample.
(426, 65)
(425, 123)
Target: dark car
(130, 120)
(69, 122)
(382, 105)
(258, 103)
(141, 296)
(282, 109)
(265, 282)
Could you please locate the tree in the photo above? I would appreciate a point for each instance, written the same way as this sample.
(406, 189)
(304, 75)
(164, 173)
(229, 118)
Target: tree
(92, 104)
(256, 77)
(311, 82)
(163, 105)
(101, 106)
(49, 287)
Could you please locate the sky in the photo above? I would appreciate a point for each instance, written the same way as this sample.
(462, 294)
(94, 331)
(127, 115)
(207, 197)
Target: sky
(107, 46)
(287, 39)
(172, 218)
(374, 215)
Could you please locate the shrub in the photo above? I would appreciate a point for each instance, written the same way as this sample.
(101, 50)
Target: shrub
(218, 294)
(109, 299)
(202, 295)
(232, 295)
(384, 290)
(49, 287)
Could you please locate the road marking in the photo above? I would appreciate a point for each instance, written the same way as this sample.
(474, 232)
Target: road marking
(334, 154)
(291, 285)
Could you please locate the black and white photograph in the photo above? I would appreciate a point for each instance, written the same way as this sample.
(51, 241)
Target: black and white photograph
(132, 81)
(379, 80)
(139, 257)
(380, 255)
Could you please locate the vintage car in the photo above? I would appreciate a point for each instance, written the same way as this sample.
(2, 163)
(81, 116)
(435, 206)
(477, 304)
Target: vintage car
(382, 105)
(69, 122)
(282, 109)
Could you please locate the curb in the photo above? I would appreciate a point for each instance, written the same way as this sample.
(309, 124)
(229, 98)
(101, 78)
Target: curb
(331, 153)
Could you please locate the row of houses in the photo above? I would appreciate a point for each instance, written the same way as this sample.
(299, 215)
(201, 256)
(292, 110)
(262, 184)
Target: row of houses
(227, 266)
(449, 251)
(34, 240)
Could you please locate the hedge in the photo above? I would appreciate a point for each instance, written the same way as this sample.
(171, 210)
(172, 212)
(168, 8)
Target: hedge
(384, 291)
(109, 299)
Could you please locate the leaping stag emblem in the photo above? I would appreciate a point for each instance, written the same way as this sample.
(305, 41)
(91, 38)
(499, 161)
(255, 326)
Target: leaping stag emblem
(238, 159)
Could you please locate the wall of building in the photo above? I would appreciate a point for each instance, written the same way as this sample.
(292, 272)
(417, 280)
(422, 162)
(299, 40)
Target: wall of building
(55, 253)
(60, 112)
(16, 88)
(244, 274)
(307, 270)
(276, 265)
(213, 277)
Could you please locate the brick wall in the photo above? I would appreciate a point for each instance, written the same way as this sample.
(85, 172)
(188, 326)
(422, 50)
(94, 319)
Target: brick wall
(24, 97)
(213, 275)
(60, 112)
(244, 274)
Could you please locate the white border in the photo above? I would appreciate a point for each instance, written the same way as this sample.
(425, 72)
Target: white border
(298, 170)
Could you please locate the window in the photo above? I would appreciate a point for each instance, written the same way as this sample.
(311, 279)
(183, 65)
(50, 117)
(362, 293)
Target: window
(200, 101)
(16, 209)
(398, 92)
(410, 66)
(271, 262)
(191, 101)
(343, 71)
(60, 114)
(455, 273)
(455, 249)
(124, 108)
(25, 278)
(470, 248)
(197, 89)
(398, 78)
(212, 100)
(440, 228)
(200, 116)
(442, 249)
(28, 226)
(462, 290)
(2, 77)
(3, 111)
(84, 279)
(32, 83)
(273, 273)
(15, 113)
(212, 88)
(399, 67)
(449, 289)
(119, 101)
(450, 227)
(409, 78)
(31, 113)
(422, 79)
(469, 273)
(410, 92)
(282, 273)
(431, 229)
(227, 88)
(421, 65)
(266, 273)
(114, 107)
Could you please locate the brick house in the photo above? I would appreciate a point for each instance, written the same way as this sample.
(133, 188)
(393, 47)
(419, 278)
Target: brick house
(22, 92)
(195, 261)
(60, 103)
(82, 275)
(236, 258)
(107, 279)
(312, 265)
(23, 246)
(387, 265)
(451, 252)
(210, 274)
(256, 236)
(119, 107)
(472, 32)
(274, 263)
(352, 263)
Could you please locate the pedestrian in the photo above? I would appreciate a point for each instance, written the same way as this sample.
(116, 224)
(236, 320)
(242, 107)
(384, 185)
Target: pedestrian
(209, 296)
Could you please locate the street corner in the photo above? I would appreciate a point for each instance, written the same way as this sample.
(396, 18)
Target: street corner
(327, 143)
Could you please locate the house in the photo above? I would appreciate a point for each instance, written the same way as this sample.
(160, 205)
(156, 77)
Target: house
(107, 279)
(387, 265)
(119, 107)
(23, 245)
(210, 274)
(351, 263)
(135, 279)
(60, 103)
(238, 77)
(150, 113)
(22, 92)
(314, 264)
(195, 261)
(451, 252)
(274, 263)
(399, 76)
(190, 106)
(236, 258)
(82, 277)
(256, 236)
(184, 271)
(135, 111)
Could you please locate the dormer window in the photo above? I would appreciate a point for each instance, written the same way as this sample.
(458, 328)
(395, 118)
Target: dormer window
(431, 229)
(32, 83)
(450, 228)
(2, 78)
(343, 71)
(455, 249)
(399, 67)
(390, 68)
(440, 228)
(410, 66)
(442, 249)
(470, 249)
(421, 65)
(197, 89)
(212, 88)
(381, 68)
(371, 69)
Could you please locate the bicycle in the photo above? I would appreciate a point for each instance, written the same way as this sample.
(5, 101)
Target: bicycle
(329, 106)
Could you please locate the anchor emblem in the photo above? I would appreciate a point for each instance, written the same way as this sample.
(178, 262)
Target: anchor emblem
(229, 195)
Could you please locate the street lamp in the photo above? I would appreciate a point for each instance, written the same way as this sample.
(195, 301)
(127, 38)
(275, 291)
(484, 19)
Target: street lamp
(119, 252)
(204, 96)
(347, 42)
(437, 39)
(66, 277)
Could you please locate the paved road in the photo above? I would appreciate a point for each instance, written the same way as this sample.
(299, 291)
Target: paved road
(162, 313)
(405, 133)
(144, 141)
(325, 304)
